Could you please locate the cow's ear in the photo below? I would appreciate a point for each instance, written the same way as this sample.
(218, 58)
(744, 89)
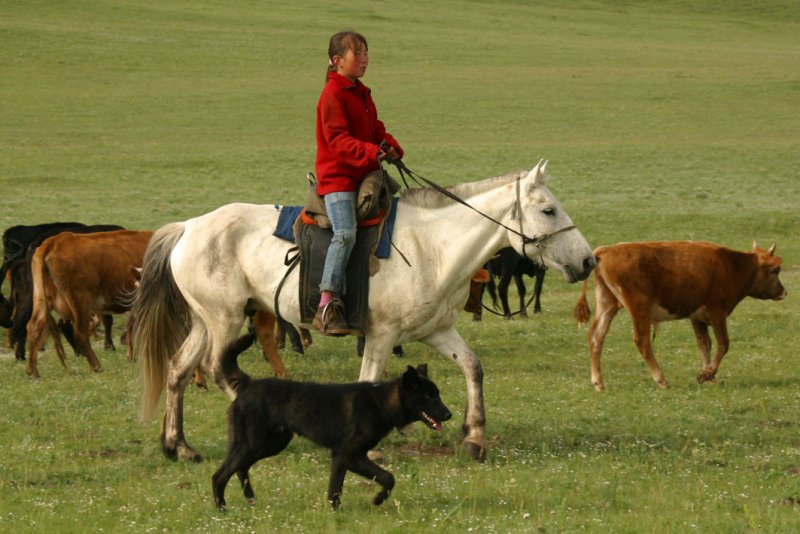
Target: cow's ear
(771, 250)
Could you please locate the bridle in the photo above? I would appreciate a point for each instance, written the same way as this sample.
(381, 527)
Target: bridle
(536, 241)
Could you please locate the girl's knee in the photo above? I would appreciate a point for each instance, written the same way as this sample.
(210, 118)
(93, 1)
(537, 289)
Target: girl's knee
(345, 236)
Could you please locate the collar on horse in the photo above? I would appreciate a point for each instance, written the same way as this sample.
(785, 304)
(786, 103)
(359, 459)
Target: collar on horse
(536, 241)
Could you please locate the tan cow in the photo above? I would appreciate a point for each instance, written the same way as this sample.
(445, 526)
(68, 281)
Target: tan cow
(79, 275)
(669, 280)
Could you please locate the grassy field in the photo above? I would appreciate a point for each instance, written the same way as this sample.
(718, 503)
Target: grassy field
(661, 120)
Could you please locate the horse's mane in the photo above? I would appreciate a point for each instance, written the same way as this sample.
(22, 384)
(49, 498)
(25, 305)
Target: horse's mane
(427, 197)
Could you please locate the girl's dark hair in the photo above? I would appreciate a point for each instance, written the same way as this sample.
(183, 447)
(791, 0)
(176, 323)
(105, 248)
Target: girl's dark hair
(340, 43)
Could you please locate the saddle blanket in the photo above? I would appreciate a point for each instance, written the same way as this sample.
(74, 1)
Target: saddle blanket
(288, 214)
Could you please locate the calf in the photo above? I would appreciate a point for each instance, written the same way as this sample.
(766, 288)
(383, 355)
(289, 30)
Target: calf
(507, 265)
(16, 240)
(79, 275)
(663, 281)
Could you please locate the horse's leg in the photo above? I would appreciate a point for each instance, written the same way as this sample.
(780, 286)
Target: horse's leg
(221, 332)
(450, 344)
(373, 361)
(181, 367)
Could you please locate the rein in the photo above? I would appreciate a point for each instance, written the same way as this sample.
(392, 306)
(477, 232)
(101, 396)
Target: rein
(536, 241)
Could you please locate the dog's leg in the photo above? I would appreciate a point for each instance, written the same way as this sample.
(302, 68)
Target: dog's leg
(218, 482)
(361, 465)
(336, 482)
(244, 478)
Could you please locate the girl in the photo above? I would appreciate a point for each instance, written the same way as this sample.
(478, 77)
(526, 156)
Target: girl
(351, 141)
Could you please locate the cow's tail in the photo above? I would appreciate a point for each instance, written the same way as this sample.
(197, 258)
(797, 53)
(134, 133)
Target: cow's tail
(160, 314)
(37, 320)
(237, 378)
(581, 312)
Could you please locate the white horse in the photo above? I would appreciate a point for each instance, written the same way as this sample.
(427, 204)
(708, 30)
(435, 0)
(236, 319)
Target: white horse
(200, 275)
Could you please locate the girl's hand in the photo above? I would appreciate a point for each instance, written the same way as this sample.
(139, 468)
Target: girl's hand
(387, 152)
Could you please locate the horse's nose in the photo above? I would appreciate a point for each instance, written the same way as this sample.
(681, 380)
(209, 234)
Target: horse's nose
(589, 263)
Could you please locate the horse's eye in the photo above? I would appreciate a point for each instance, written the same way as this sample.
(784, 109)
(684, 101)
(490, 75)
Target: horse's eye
(549, 211)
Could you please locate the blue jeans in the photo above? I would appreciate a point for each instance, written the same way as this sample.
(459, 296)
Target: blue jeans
(341, 208)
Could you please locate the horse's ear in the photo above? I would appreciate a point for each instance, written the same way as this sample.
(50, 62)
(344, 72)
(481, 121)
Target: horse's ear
(538, 175)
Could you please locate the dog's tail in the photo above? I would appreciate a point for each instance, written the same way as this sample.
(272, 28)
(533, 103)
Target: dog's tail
(233, 375)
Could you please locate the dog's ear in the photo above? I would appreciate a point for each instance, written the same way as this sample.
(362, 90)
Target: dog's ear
(422, 369)
(410, 377)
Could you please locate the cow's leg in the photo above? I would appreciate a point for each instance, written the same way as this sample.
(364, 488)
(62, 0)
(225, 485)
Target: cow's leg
(37, 333)
(720, 326)
(127, 336)
(280, 336)
(181, 368)
(264, 324)
(703, 341)
(450, 344)
(108, 324)
(607, 307)
(641, 336)
(305, 338)
(521, 293)
(54, 333)
(81, 332)
(502, 290)
(537, 291)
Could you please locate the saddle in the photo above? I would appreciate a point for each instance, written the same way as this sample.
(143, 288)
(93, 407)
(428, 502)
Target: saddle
(313, 234)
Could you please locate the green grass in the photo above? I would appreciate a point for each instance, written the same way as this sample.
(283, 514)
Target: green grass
(661, 120)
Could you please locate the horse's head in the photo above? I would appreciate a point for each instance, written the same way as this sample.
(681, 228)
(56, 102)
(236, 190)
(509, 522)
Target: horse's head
(548, 234)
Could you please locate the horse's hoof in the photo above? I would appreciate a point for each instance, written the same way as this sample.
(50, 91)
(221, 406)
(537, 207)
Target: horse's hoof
(475, 451)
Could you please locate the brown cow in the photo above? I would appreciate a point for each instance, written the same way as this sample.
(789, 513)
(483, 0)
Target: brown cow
(79, 275)
(664, 281)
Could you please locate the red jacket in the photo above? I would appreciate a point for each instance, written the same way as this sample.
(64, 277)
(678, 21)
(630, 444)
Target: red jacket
(348, 135)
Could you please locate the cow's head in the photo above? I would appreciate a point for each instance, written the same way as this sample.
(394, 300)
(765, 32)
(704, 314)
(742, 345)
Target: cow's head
(767, 284)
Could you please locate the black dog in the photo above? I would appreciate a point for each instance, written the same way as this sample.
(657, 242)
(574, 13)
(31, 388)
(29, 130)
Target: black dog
(349, 419)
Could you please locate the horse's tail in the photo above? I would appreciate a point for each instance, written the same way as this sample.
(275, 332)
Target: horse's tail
(233, 375)
(581, 312)
(160, 313)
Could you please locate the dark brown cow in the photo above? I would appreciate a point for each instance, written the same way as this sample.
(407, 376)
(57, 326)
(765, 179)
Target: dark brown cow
(664, 281)
(79, 275)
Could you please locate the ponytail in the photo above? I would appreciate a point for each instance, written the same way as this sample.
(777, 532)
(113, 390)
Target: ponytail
(339, 44)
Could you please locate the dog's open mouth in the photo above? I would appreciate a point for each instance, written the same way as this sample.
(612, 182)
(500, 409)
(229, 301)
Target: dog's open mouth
(432, 423)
